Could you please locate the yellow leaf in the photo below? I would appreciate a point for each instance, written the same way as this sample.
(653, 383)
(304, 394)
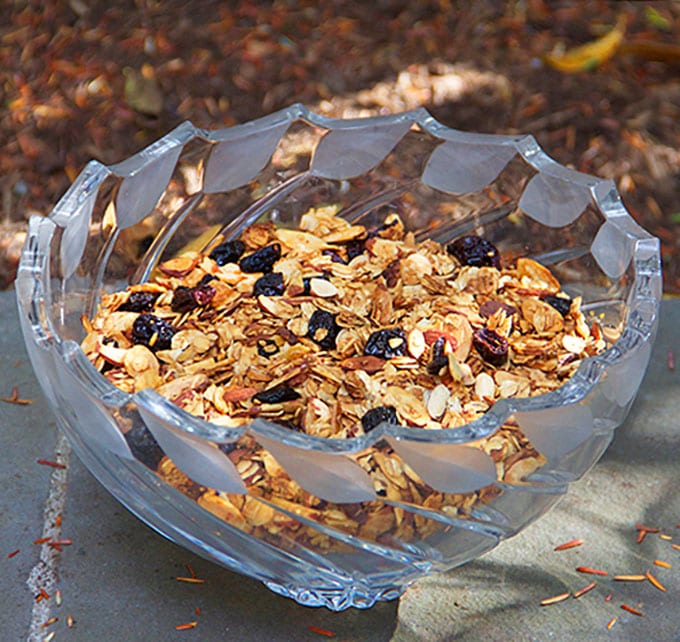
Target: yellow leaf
(591, 54)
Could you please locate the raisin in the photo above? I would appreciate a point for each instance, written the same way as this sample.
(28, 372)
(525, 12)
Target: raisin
(228, 252)
(323, 329)
(490, 307)
(355, 248)
(476, 251)
(307, 286)
(439, 358)
(148, 326)
(335, 257)
(267, 348)
(269, 285)
(139, 302)
(492, 347)
(386, 344)
(261, 260)
(206, 279)
(143, 445)
(376, 416)
(391, 274)
(561, 304)
(277, 395)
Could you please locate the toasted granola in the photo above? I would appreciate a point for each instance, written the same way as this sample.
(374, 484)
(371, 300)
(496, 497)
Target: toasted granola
(332, 329)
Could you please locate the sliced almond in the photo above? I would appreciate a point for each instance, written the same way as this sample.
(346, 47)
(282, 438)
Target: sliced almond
(438, 401)
(416, 343)
(485, 387)
(322, 288)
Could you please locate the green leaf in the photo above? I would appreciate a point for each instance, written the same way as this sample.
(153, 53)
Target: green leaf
(656, 20)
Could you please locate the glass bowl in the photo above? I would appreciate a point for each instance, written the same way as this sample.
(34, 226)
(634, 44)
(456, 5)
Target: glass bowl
(345, 541)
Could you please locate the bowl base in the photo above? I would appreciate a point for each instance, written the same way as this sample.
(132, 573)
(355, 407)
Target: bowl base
(337, 599)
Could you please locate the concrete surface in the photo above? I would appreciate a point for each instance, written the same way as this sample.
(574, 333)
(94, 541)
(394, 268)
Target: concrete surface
(117, 578)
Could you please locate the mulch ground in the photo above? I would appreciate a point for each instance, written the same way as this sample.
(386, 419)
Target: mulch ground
(85, 79)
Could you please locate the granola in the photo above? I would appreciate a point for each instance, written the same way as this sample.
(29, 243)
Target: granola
(332, 329)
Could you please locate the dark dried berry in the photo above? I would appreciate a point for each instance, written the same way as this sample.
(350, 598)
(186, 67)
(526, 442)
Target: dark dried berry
(228, 448)
(492, 347)
(143, 445)
(307, 286)
(376, 416)
(206, 279)
(355, 248)
(267, 348)
(183, 299)
(560, 304)
(476, 251)
(391, 274)
(492, 306)
(269, 285)
(439, 358)
(277, 395)
(139, 302)
(261, 260)
(386, 344)
(228, 252)
(323, 329)
(152, 332)
(335, 257)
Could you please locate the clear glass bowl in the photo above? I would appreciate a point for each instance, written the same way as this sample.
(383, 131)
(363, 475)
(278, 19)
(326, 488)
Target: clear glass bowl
(344, 544)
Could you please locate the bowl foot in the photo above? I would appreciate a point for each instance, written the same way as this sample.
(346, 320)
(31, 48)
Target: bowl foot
(337, 599)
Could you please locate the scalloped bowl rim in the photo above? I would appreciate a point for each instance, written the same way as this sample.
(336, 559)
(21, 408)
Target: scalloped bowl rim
(639, 327)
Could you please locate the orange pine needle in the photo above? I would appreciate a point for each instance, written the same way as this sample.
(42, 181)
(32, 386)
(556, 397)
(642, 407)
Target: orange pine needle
(655, 583)
(188, 625)
(592, 571)
(12, 554)
(666, 537)
(191, 580)
(676, 547)
(630, 578)
(648, 529)
(630, 609)
(611, 624)
(555, 599)
(586, 589)
(572, 544)
(326, 632)
(662, 564)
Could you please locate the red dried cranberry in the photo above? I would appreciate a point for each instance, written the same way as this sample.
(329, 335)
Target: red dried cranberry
(492, 347)
(386, 344)
(376, 416)
(261, 260)
(185, 299)
(203, 293)
(228, 252)
(475, 251)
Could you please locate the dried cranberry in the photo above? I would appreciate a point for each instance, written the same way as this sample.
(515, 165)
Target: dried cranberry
(261, 260)
(561, 304)
(203, 293)
(269, 285)
(376, 416)
(139, 302)
(277, 395)
(228, 252)
(323, 329)
(185, 299)
(267, 348)
(439, 358)
(476, 251)
(492, 347)
(148, 326)
(386, 344)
